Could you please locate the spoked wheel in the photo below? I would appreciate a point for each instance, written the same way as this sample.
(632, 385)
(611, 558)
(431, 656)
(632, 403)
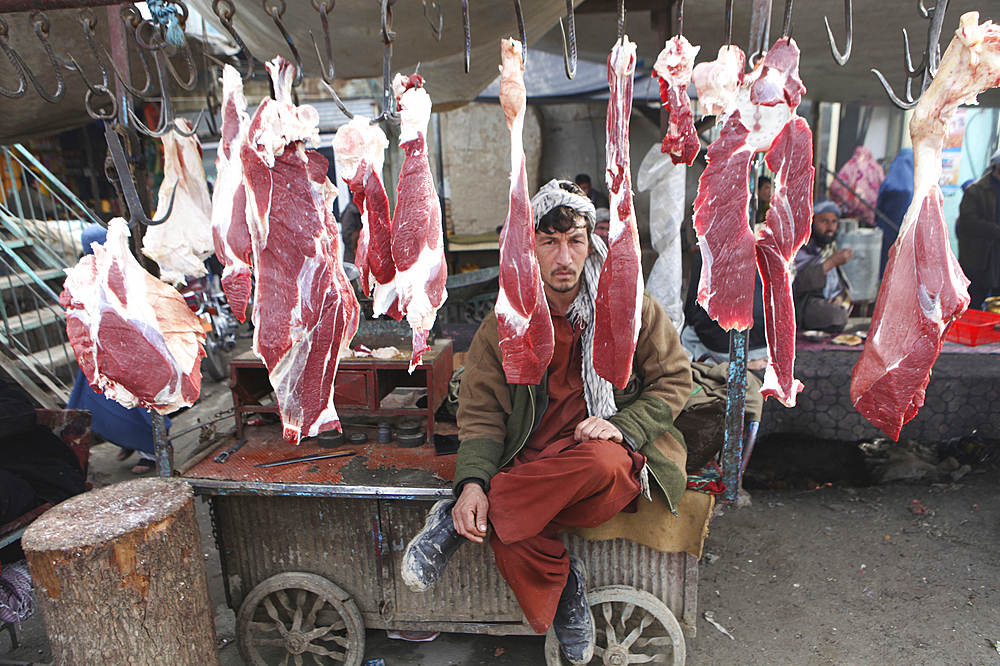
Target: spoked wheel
(633, 627)
(299, 618)
(215, 362)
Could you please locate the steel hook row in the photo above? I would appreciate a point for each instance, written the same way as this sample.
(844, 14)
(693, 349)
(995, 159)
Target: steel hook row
(928, 63)
(40, 24)
(849, 22)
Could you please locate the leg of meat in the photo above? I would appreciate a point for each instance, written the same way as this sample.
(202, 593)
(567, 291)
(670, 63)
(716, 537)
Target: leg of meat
(523, 319)
(417, 242)
(360, 150)
(134, 337)
(230, 233)
(722, 221)
(305, 311)
(673, 68)
(923, 290)
(789, 221)
(618, 308)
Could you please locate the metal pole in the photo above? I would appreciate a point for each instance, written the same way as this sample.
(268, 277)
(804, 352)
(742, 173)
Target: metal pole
(11, 6)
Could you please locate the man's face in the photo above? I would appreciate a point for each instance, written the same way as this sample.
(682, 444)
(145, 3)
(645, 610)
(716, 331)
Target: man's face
(764, 192)
(601, 229)
(561, 256)
(825, 228)
(585, 187)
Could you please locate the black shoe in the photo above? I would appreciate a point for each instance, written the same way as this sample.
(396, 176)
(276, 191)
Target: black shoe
(573, 624)
(428, 553)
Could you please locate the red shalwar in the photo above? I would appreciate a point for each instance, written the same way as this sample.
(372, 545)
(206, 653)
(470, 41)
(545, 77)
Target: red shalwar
(553, 482)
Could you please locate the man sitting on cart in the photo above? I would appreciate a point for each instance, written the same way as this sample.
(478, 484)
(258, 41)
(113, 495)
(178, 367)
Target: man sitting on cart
(533, 461)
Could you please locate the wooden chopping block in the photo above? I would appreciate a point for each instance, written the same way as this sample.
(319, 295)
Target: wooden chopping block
(120, 577)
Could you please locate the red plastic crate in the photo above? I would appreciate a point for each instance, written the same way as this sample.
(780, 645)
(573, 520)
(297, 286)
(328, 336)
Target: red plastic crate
(974, 328)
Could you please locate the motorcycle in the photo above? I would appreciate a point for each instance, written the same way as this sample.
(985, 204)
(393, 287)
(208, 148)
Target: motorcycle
(206, 299)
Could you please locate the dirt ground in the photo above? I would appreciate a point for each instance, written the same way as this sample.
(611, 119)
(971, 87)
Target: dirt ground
(903, 574)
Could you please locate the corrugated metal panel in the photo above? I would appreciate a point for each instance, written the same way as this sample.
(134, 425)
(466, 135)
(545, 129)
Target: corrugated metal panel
(331, 117)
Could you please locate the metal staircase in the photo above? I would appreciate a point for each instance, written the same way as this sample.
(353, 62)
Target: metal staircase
(40, 225)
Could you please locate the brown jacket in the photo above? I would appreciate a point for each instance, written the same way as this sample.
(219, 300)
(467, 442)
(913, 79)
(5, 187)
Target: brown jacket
(495, 418)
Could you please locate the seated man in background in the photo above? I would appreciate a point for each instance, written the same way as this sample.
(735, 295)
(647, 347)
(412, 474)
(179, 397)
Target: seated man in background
(598, 198)
(822, 292)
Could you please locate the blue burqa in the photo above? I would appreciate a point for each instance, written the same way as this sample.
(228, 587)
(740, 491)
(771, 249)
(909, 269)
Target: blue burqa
(894, 197)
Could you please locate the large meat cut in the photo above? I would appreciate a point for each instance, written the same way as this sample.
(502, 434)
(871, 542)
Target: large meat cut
(673, 68)
(417, 238)
(717, 82)
(134, 337)
(360, 147)
(618, 308)
(181, 243)
(305, 311)
(923, 290)
(230, 232)
(523, 319)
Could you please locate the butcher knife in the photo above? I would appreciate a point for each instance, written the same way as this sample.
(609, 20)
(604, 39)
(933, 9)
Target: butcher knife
(224, 456)
(318, 456)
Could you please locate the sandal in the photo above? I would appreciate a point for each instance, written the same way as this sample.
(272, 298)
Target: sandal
(125, 454)
(144, 465)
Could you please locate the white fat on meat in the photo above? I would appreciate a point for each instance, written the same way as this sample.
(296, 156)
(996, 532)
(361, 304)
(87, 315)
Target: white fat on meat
(134, 337)
(184, 240)
(718, 82)
(675, 61)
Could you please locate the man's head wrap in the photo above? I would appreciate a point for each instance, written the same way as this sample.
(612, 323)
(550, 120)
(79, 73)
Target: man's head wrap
(562, 193)
(995, 160)
(825, 206)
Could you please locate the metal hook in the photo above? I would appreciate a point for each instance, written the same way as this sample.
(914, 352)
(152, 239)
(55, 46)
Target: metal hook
(15, 62)
(192, 81)
(520, 31)
(928, 63)
(467, 27)
(621, 20)
(95, 90)
(436, 28)
(389, 112)
(336, 100)
(276, 13)
(40, 24)
(569, 49)
(849, 21)
(760, 29)
(226, 17)
(131, 18)
(212, 103)
(786, 25)
(729, 22)
(680, 17)
(323, 9)
(129, 190)
(167, 119)
(87, 19)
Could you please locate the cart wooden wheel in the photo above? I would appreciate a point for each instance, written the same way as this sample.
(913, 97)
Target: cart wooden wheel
(633, 627)
(298, 618)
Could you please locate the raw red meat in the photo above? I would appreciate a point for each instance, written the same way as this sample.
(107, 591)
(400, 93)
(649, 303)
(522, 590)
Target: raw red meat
(230, 233)
(789, 224)
(673, 68)
(417, 242)
(722, 222)
(134, 337)
(923, 290)
(523, 319)
(360, 150)
(778, 81)
(305, 311)
(618, 308)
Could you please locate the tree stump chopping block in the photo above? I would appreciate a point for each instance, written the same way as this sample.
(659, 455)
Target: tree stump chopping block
(120, 577)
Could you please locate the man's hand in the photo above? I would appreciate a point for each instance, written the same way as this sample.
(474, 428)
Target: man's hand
(838, 258)
(597, 428)
(469, 513)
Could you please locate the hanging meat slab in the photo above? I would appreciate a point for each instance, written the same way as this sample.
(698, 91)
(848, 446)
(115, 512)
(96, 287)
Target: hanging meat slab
(673, 68)
(305, 311)
(722, 222)
(618, 308)
(230, 233)
(181, 243)
(417, 239)
(360, 147)
(134, 337)
(923, 290)
(523, 319)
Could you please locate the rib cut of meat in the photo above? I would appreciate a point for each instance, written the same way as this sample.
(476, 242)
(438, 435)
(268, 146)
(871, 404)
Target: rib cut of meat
(789, 224)
(923, 290)
(134, 337)
(722, 222)
(305, 311)
(718, 81)
(673, 68)
(525, 325)
(360, 150)
(417, 242)
(618, 308)
(184, 240)
(230, 232)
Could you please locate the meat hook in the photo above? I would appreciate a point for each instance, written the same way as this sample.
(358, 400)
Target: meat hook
(569, 48)
(15, 63)
(40, 24)
(129, 190)
(849, 21)
(786, 25)
(680, 17)
(167, 117)
(760, 30)
(336, 100)
(276, 13)
(928, 63)
(226, 18)
(436, 27)
(95, 90)
(131, 18)
(212, 103)
(468, 34)
(329, 74)
(389, 112)
(520, 31)
(729, 22)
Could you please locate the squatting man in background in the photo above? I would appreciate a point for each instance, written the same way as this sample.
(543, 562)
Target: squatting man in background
(821, 290)
(573, 451)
